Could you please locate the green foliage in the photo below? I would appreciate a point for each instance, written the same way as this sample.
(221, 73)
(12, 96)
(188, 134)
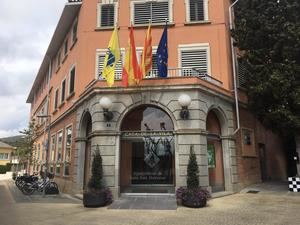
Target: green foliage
(267, 34)
(25, 147)
(95, 183)
(5, 168)
(192, 171)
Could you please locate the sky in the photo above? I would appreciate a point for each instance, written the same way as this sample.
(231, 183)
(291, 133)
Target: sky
(26, 31)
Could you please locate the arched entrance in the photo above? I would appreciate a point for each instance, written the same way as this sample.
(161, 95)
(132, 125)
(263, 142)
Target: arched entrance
(147, 161)
(215, 153)
(86, 130)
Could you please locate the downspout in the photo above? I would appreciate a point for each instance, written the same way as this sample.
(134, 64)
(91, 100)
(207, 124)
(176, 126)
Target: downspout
(234, 69)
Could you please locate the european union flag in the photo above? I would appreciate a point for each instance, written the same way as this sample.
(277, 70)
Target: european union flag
(162, 54)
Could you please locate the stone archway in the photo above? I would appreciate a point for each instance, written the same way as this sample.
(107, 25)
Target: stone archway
(84, 150)
(215, 153)
(147, 152)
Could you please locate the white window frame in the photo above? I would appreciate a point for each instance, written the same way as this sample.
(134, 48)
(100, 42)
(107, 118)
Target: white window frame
(188, 15)
(69, 79)
(139, 52)
(72, 36)
(200, 46)
(55, 103)
(65, 148)
(61, 92)
(57, 139)
(102, 51)
(53, 148)
(144, 1)
(99, 7)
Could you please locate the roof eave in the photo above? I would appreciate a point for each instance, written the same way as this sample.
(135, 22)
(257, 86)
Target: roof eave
(68, 15)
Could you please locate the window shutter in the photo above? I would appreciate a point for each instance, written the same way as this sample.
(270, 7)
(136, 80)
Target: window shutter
(196, 10)
(194, 62)
(154, 71)
(107, 15)
(242, 77)
(157, 12)
(118, 69)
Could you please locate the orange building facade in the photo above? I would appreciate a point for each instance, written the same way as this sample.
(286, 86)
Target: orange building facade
(146, 144)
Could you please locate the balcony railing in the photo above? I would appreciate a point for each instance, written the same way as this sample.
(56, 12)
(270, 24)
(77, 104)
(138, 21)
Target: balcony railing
(176, 72)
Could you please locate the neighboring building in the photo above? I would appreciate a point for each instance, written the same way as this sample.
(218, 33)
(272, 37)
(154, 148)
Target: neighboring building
(6, 152)
(145, 146)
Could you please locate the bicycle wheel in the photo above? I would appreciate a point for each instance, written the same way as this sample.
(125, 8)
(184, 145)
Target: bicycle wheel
(27, 189)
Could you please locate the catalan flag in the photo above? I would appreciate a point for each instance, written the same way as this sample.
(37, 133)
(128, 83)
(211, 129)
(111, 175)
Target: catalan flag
(131, 71)
(146, 62)
(111, 58)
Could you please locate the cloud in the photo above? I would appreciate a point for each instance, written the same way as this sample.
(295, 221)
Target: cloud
(27, 28)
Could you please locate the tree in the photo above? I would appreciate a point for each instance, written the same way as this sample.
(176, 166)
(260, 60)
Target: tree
(192, 171)
(267, 34)
(26, 146)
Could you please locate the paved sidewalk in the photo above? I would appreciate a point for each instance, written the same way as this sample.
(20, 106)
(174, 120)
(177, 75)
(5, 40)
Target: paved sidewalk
(237, 209)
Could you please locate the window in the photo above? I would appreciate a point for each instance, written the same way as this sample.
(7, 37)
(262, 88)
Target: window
(196, 10)
(154, 70)
(53, 141)
(63, 91)
(74, 31)
(100, 60)
(59, 146)
(56, 99)
(67, 153)
(38, 151)
(58, 60)
(72, 80)
(247, 137)
(4, 156)
(59, 152)
(156, 11)
(66, 47)
(194, 59)
(107, 14)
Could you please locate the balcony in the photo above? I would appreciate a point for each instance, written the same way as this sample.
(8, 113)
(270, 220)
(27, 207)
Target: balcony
(175, 73)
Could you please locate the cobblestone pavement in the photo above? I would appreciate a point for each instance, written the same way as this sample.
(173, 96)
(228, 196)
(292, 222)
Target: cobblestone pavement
(237, 209)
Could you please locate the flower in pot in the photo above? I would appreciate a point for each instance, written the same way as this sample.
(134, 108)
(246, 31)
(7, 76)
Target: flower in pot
(192, 195)
(96, 195)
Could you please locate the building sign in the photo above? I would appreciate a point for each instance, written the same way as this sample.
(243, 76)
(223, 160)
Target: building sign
(211, 156)
(72, 1)
(146, 133)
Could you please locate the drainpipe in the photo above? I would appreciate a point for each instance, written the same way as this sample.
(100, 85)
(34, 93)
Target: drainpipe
(234, 68)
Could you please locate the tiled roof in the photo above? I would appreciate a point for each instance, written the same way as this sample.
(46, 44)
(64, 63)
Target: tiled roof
(4, 145)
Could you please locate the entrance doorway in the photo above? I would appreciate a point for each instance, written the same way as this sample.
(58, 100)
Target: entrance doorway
(147, 152)
(87, 126)
(215, 153)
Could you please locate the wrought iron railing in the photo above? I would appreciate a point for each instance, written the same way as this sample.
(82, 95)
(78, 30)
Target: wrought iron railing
(176, 72)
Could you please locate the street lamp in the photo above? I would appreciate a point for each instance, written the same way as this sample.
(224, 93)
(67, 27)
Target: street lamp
(184, 101)
(47, 148)
(106, 104)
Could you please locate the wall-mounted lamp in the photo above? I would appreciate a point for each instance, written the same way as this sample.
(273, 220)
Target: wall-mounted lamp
(106, 104)
(184, 101)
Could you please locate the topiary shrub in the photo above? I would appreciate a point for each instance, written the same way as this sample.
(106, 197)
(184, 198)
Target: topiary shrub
(192, 195)
(97, 195)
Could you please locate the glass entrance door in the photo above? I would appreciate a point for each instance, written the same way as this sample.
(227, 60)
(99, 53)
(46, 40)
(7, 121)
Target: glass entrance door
(147, 151)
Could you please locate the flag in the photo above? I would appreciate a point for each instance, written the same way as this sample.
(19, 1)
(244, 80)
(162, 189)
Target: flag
(111, 58)
(162, 54)
(131, 71)
(146, 62)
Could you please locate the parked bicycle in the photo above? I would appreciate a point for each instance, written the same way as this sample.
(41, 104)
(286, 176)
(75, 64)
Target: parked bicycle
(30, 184)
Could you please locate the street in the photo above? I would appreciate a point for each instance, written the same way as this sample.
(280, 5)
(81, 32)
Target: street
(239, 209)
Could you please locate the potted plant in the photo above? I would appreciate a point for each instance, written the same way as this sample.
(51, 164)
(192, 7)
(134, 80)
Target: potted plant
(192, 195)
(96, 195)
